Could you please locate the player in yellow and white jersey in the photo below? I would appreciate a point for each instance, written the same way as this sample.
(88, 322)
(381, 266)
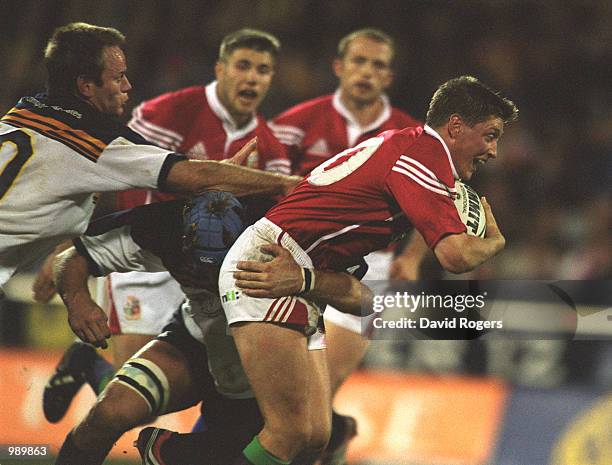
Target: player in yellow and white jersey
(58, 148)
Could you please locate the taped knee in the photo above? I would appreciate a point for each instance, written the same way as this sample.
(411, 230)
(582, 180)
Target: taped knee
(148, 380)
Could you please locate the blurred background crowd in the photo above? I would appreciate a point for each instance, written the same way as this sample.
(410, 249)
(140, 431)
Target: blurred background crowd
(550, 187)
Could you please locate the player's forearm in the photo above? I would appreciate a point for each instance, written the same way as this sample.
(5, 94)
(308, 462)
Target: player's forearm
(460, 253)
(196, 176)
(70, 274)
(340, 290)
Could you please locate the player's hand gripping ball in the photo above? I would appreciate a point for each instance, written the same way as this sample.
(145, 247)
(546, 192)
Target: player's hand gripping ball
(470, 209)
(211, 224)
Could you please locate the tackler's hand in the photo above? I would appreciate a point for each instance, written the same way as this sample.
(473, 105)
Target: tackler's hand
(89, 322)
(242, 154)
(280, 277)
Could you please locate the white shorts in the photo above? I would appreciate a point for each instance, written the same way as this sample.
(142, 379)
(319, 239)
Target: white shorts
(141, 303)
(291, 310)
(344, 320)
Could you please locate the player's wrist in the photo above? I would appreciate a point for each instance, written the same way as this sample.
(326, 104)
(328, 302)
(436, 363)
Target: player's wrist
(308, 280)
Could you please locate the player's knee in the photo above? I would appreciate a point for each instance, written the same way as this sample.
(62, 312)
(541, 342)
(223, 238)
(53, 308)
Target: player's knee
(147, 381)
(320, 432)
(117, 411)
(295, 434)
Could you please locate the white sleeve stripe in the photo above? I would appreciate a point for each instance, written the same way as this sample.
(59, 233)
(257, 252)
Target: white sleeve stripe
(278, 161)
(288, 137)
(416, 172)
(420, 165)
(418, 181)
(288, 141)
(279, 169)
(147, 127)
(288, 134)
(427, 171)
(281, 128)
(175, 136)
(151, 137)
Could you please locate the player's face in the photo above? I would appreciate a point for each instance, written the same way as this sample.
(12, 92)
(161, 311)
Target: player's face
(473, 146)
(243, 82)
(110, 98)
(364, 71)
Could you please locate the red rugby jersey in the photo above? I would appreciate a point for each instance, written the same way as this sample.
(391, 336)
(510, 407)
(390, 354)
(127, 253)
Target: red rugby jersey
(315, 130)
(194, 122)
(354, 203)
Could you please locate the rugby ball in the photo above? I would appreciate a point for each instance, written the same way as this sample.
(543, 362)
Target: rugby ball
(470, 209)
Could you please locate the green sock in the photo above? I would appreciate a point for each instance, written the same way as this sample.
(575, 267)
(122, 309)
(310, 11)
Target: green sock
(257, 455)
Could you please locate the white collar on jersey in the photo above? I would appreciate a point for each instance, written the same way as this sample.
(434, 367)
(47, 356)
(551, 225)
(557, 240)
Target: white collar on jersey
(233, 133)
(354, 130)
(433, 133)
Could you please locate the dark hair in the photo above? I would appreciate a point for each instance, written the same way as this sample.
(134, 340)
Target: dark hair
(471, 99)
(249, 38)
(371, 33)
(76, 50)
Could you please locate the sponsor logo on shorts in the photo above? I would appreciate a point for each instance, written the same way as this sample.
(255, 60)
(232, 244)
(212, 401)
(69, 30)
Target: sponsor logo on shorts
(131, 308)
(230, 296)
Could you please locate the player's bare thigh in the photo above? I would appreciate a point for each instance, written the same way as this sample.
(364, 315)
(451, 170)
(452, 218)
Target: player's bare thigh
(126, 345)
(291, 385)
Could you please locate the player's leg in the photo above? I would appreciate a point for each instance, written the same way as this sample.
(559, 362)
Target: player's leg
(292, 388)
(346, 346)
(126, 345)
(80, 363)
(222, 441)
(156, 380)
(231, 422)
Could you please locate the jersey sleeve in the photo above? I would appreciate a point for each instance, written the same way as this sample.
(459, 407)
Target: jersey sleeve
(273, 154)
(124, 165)
(288, 129)
(155, 120)
(426, 201)
(117, 251)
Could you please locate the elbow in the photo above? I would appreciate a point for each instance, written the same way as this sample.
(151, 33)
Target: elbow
(456, 264)
(452, 254)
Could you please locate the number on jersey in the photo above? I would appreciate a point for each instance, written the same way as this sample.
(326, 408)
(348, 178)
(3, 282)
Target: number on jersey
(343, 164)
(14, 165)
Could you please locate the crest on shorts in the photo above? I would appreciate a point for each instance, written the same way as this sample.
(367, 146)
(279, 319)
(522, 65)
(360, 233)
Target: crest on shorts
(230, 296)
(131, 308)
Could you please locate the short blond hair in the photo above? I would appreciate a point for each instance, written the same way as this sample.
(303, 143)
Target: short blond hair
(369, 32)
(253, 39)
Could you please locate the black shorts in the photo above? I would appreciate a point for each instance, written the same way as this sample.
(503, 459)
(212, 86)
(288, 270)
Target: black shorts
(236, 417)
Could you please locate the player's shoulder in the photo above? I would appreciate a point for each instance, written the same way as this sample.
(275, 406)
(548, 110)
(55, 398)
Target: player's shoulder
(402, 138)
(178, 100)
(304, 109)
(428, 150)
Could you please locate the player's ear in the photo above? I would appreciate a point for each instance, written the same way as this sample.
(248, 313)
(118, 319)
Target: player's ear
(219, 68)
(389, 79)
(85, 86)
(337, 66)
(455, 125)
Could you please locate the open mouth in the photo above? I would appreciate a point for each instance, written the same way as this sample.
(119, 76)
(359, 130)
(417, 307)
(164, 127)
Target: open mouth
(363, 86)
(247, 94)
(477, 163)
